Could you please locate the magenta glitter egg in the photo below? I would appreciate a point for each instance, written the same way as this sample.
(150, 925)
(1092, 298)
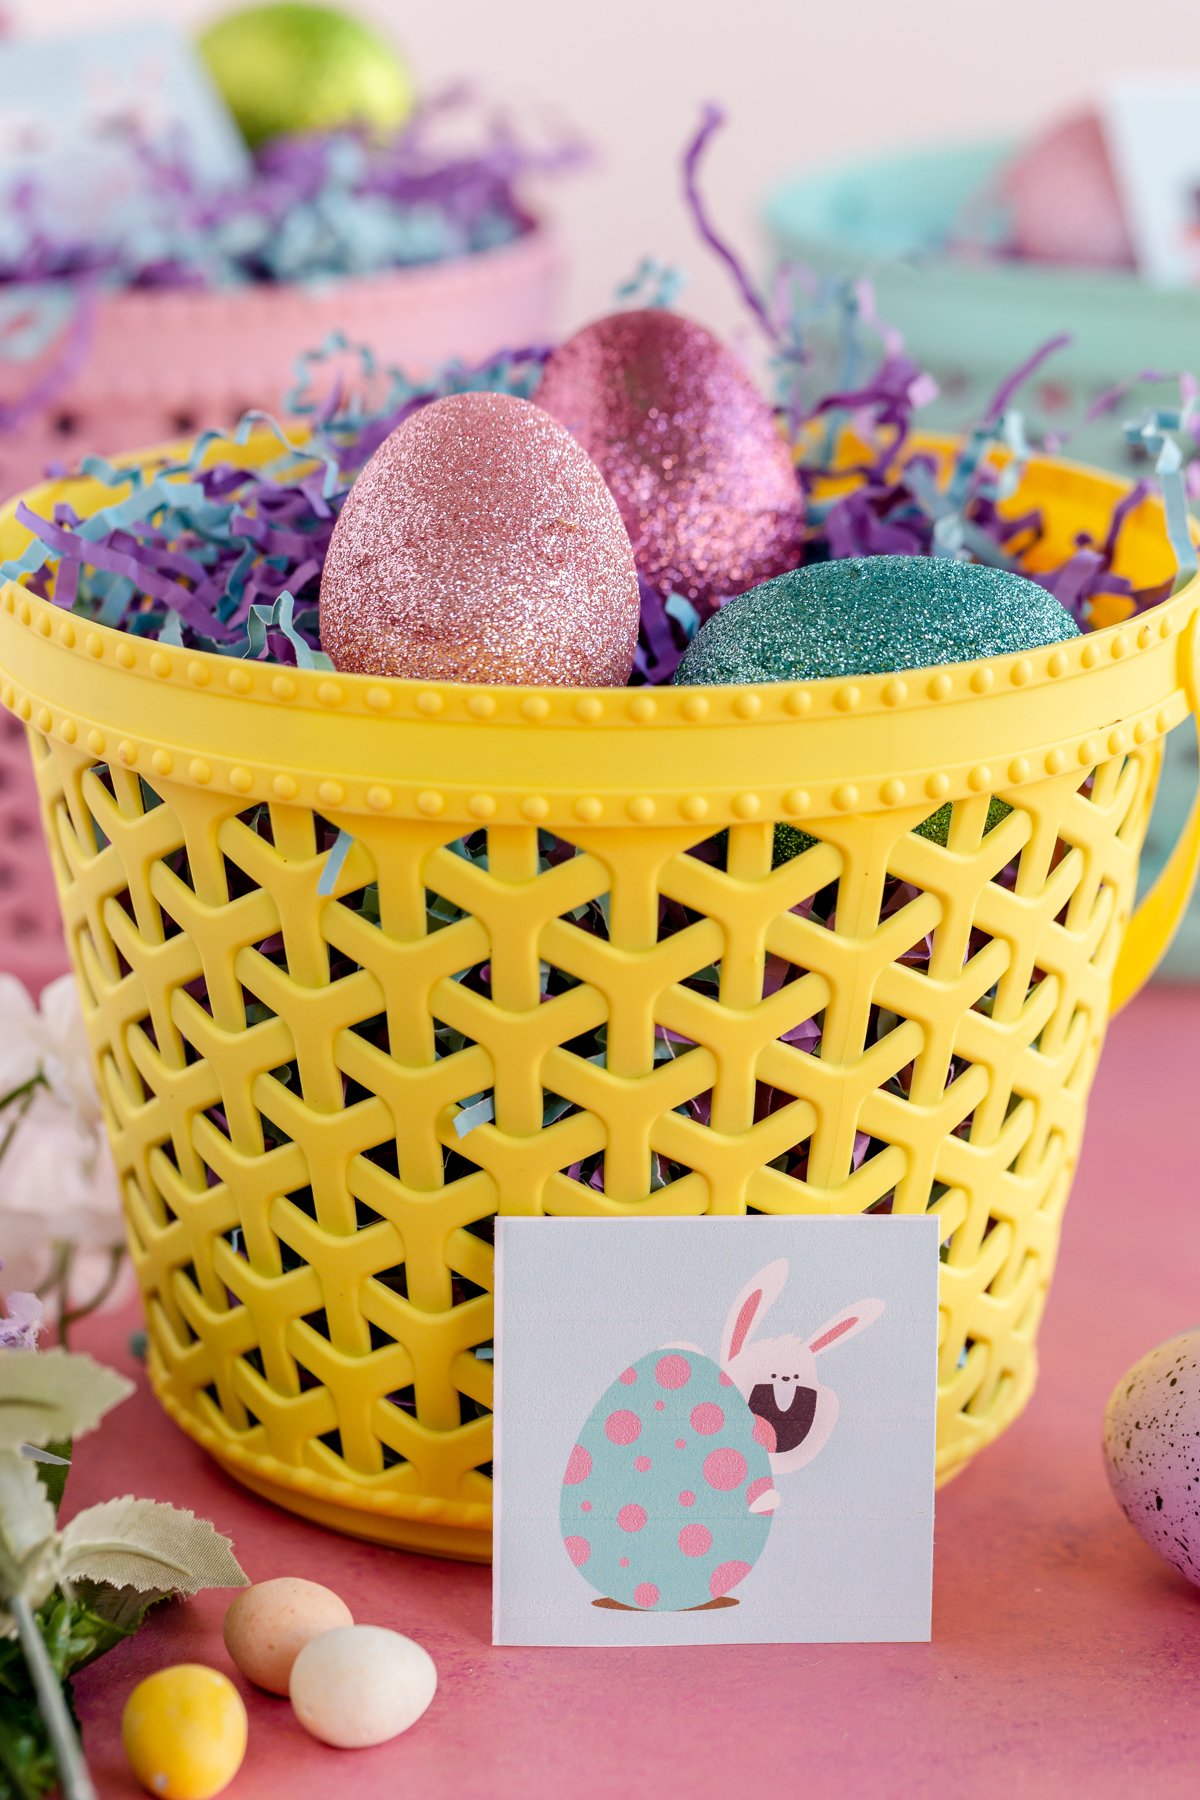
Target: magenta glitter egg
(1152, 1450)
(481, 544)
(688, 446)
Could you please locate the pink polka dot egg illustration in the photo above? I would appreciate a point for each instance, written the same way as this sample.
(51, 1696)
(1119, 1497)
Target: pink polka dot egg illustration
(658, 1488)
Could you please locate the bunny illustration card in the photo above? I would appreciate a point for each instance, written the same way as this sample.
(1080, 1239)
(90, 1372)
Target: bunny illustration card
(714, 1430)
(1150, 121)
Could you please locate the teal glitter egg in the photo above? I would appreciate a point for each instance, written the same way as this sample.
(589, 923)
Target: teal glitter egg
(870, 614)
(867, 616)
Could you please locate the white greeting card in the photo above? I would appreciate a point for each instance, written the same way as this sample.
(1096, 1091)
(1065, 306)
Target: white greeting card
(80, 116)
(1151, 128)
(714, 1430)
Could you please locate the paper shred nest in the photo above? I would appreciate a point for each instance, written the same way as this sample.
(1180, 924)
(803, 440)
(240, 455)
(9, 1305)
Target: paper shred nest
(318, 206)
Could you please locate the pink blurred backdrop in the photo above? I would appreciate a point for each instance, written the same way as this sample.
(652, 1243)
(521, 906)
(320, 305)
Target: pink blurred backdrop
(804, 83)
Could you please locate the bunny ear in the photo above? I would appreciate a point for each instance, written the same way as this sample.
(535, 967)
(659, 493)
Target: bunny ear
(750, 1305)
(846, 1324)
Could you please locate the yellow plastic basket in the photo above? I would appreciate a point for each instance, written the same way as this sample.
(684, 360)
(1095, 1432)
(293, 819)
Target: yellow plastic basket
(311, 1233)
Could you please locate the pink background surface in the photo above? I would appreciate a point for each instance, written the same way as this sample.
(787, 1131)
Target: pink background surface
(1064, 1657)
(805, 86)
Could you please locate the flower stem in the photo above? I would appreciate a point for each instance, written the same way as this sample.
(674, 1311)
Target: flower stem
(22, 1097)
(74, 1314)
(64, 1740)
(56, 1286)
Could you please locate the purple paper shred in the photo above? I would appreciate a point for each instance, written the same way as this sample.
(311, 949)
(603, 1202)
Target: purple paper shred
(317, 206)
(1008, 389)
(712, 120)
(205, 546)
(209, 544)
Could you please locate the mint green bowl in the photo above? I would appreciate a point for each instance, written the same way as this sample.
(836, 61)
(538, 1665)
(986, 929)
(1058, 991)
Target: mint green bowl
(972, 321)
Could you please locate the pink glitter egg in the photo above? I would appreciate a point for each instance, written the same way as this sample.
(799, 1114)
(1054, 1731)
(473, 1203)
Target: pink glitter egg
(1152, 1450)
(481, 544)
(689, 448)
(1063, 199)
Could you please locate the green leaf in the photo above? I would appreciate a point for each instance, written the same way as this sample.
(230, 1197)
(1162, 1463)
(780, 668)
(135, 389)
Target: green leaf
(78, 1628)
(53, 1394)
(149, 1546)
(71, 1636)
(53, 1475)
(27, 1768)
(111, 1614)
(28, 1561)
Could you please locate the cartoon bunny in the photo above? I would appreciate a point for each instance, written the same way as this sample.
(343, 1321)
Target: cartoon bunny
(794, 1411)
(669, 1491)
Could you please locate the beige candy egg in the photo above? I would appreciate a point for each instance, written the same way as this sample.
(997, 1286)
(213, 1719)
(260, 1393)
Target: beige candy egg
(361, 1685)
(269, 1624)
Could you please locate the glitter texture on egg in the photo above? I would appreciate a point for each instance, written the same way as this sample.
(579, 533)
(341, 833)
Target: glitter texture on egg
(688, 446)
(866, 615)
(481, 544)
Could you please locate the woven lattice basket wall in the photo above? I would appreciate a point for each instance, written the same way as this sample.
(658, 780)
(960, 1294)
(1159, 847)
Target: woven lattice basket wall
(203, 358)
(287, 1074)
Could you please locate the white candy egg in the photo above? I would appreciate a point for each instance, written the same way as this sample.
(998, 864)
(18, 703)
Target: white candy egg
(361, 1685)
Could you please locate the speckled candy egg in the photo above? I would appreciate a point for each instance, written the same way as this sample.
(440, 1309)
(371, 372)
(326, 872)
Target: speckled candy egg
(1152, 1450)
(268, 1625)
(480, 544)
(688, 446)
(657, 1492)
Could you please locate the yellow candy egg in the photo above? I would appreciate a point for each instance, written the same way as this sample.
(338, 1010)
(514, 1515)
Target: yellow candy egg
(185, 1732)
(269, 1624)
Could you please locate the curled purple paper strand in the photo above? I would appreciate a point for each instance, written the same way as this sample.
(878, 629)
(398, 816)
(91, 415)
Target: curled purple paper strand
(1003, 397)
(711, 120)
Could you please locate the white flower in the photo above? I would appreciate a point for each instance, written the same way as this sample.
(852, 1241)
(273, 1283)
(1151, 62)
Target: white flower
(62, 1042)
(20, 1036)
(58, 1187)
(58, 1167)
(32, 1245)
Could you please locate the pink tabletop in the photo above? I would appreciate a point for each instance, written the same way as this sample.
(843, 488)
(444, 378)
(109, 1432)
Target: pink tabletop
(1065, 1656)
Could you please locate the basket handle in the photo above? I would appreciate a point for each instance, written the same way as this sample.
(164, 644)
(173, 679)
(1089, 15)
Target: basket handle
(1155, 922)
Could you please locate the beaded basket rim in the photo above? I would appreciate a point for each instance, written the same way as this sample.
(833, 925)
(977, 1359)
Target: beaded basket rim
(1017, 718)
(746, 703)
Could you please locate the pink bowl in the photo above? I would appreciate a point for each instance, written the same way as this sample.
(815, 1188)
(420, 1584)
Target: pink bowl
(162, 363)
(165, 363)
(31, 940)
